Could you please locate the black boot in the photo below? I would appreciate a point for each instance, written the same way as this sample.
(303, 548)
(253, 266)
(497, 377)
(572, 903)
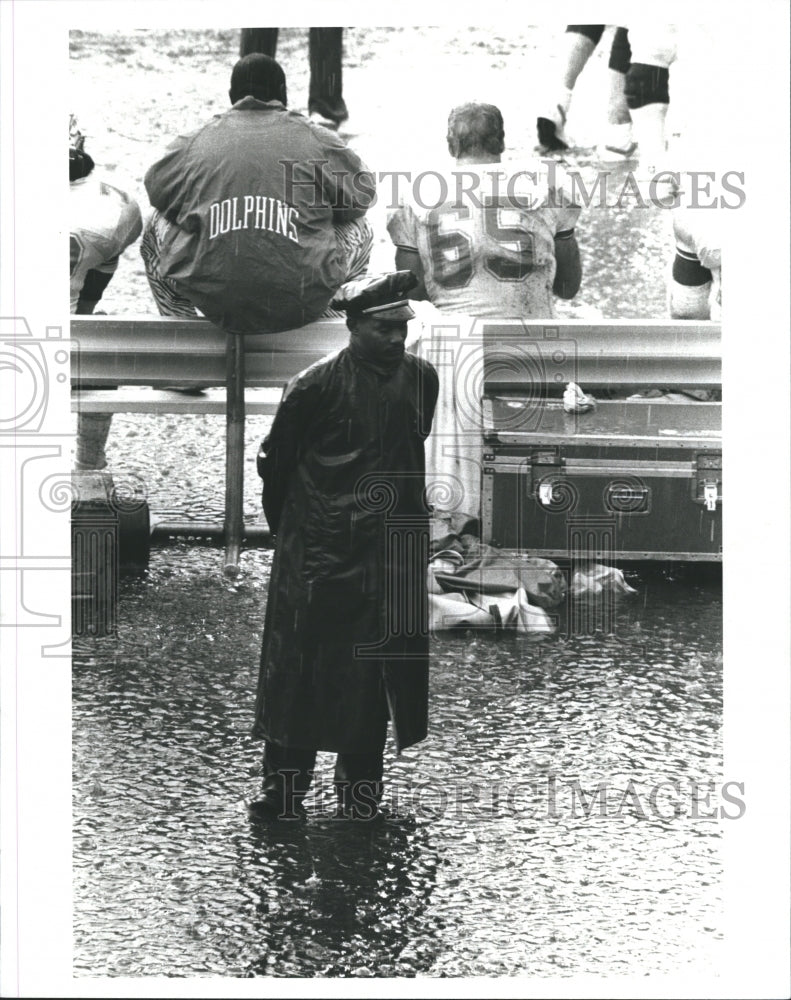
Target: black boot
(358, 785)
(288, 773)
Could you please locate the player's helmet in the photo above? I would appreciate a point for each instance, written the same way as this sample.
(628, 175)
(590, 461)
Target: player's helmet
(80, 163)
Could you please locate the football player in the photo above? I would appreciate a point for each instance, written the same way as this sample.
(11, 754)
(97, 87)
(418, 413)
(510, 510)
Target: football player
(499, 240)
(695, 284)
(103, 222)
(580, 41)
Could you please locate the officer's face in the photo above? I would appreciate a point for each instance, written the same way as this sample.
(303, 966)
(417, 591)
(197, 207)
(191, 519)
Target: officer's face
(380, 340)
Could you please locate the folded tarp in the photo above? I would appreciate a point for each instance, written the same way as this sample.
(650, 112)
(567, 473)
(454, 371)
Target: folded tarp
(488, 611)
(496, 572)
(474, 585)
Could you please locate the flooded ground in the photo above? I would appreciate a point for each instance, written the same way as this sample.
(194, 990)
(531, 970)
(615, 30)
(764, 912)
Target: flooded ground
(501, 858)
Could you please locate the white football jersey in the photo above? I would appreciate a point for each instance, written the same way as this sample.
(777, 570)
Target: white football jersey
(485, 234)
(103, 222)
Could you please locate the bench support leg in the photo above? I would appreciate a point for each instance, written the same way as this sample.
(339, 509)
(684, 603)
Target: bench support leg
(234, 453)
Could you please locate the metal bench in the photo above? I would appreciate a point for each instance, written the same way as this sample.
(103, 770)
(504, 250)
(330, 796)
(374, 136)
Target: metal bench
(134, 352)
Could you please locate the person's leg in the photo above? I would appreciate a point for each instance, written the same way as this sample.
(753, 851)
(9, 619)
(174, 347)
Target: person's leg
(169, 301)
(579, 41)
(648, 96)
(648, 92)
(358, 784)
(355, 241)
(326, 74)
(96, 281)
(93, 429)
(618, 143)
(288, 773)
(258, 40)
(358, 776)
(620, 60)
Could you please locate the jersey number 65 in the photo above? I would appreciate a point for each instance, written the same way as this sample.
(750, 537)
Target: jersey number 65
(508, 247)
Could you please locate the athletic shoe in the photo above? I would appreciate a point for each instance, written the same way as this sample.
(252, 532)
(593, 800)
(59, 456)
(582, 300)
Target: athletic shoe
(332, 111)
(550, 134)
(617, 144)
(615, 154)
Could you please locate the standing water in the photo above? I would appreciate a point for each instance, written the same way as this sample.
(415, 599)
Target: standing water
(536, 831)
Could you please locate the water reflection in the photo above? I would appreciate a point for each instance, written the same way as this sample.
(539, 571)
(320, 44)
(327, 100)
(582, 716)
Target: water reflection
(336, 898)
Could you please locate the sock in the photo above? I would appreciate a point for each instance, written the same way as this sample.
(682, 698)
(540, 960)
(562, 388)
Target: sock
(648, 130)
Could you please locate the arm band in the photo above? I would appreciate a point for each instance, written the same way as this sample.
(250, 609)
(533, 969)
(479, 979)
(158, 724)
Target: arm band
(92, 291)
(688, 270)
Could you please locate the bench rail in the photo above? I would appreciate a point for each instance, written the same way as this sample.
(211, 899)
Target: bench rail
(134, 351)
(163, 351)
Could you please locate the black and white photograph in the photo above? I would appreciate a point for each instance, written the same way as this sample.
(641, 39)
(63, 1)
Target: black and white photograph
(395, 530)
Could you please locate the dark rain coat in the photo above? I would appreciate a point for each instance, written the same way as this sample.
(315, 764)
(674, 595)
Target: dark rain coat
(346, 631)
